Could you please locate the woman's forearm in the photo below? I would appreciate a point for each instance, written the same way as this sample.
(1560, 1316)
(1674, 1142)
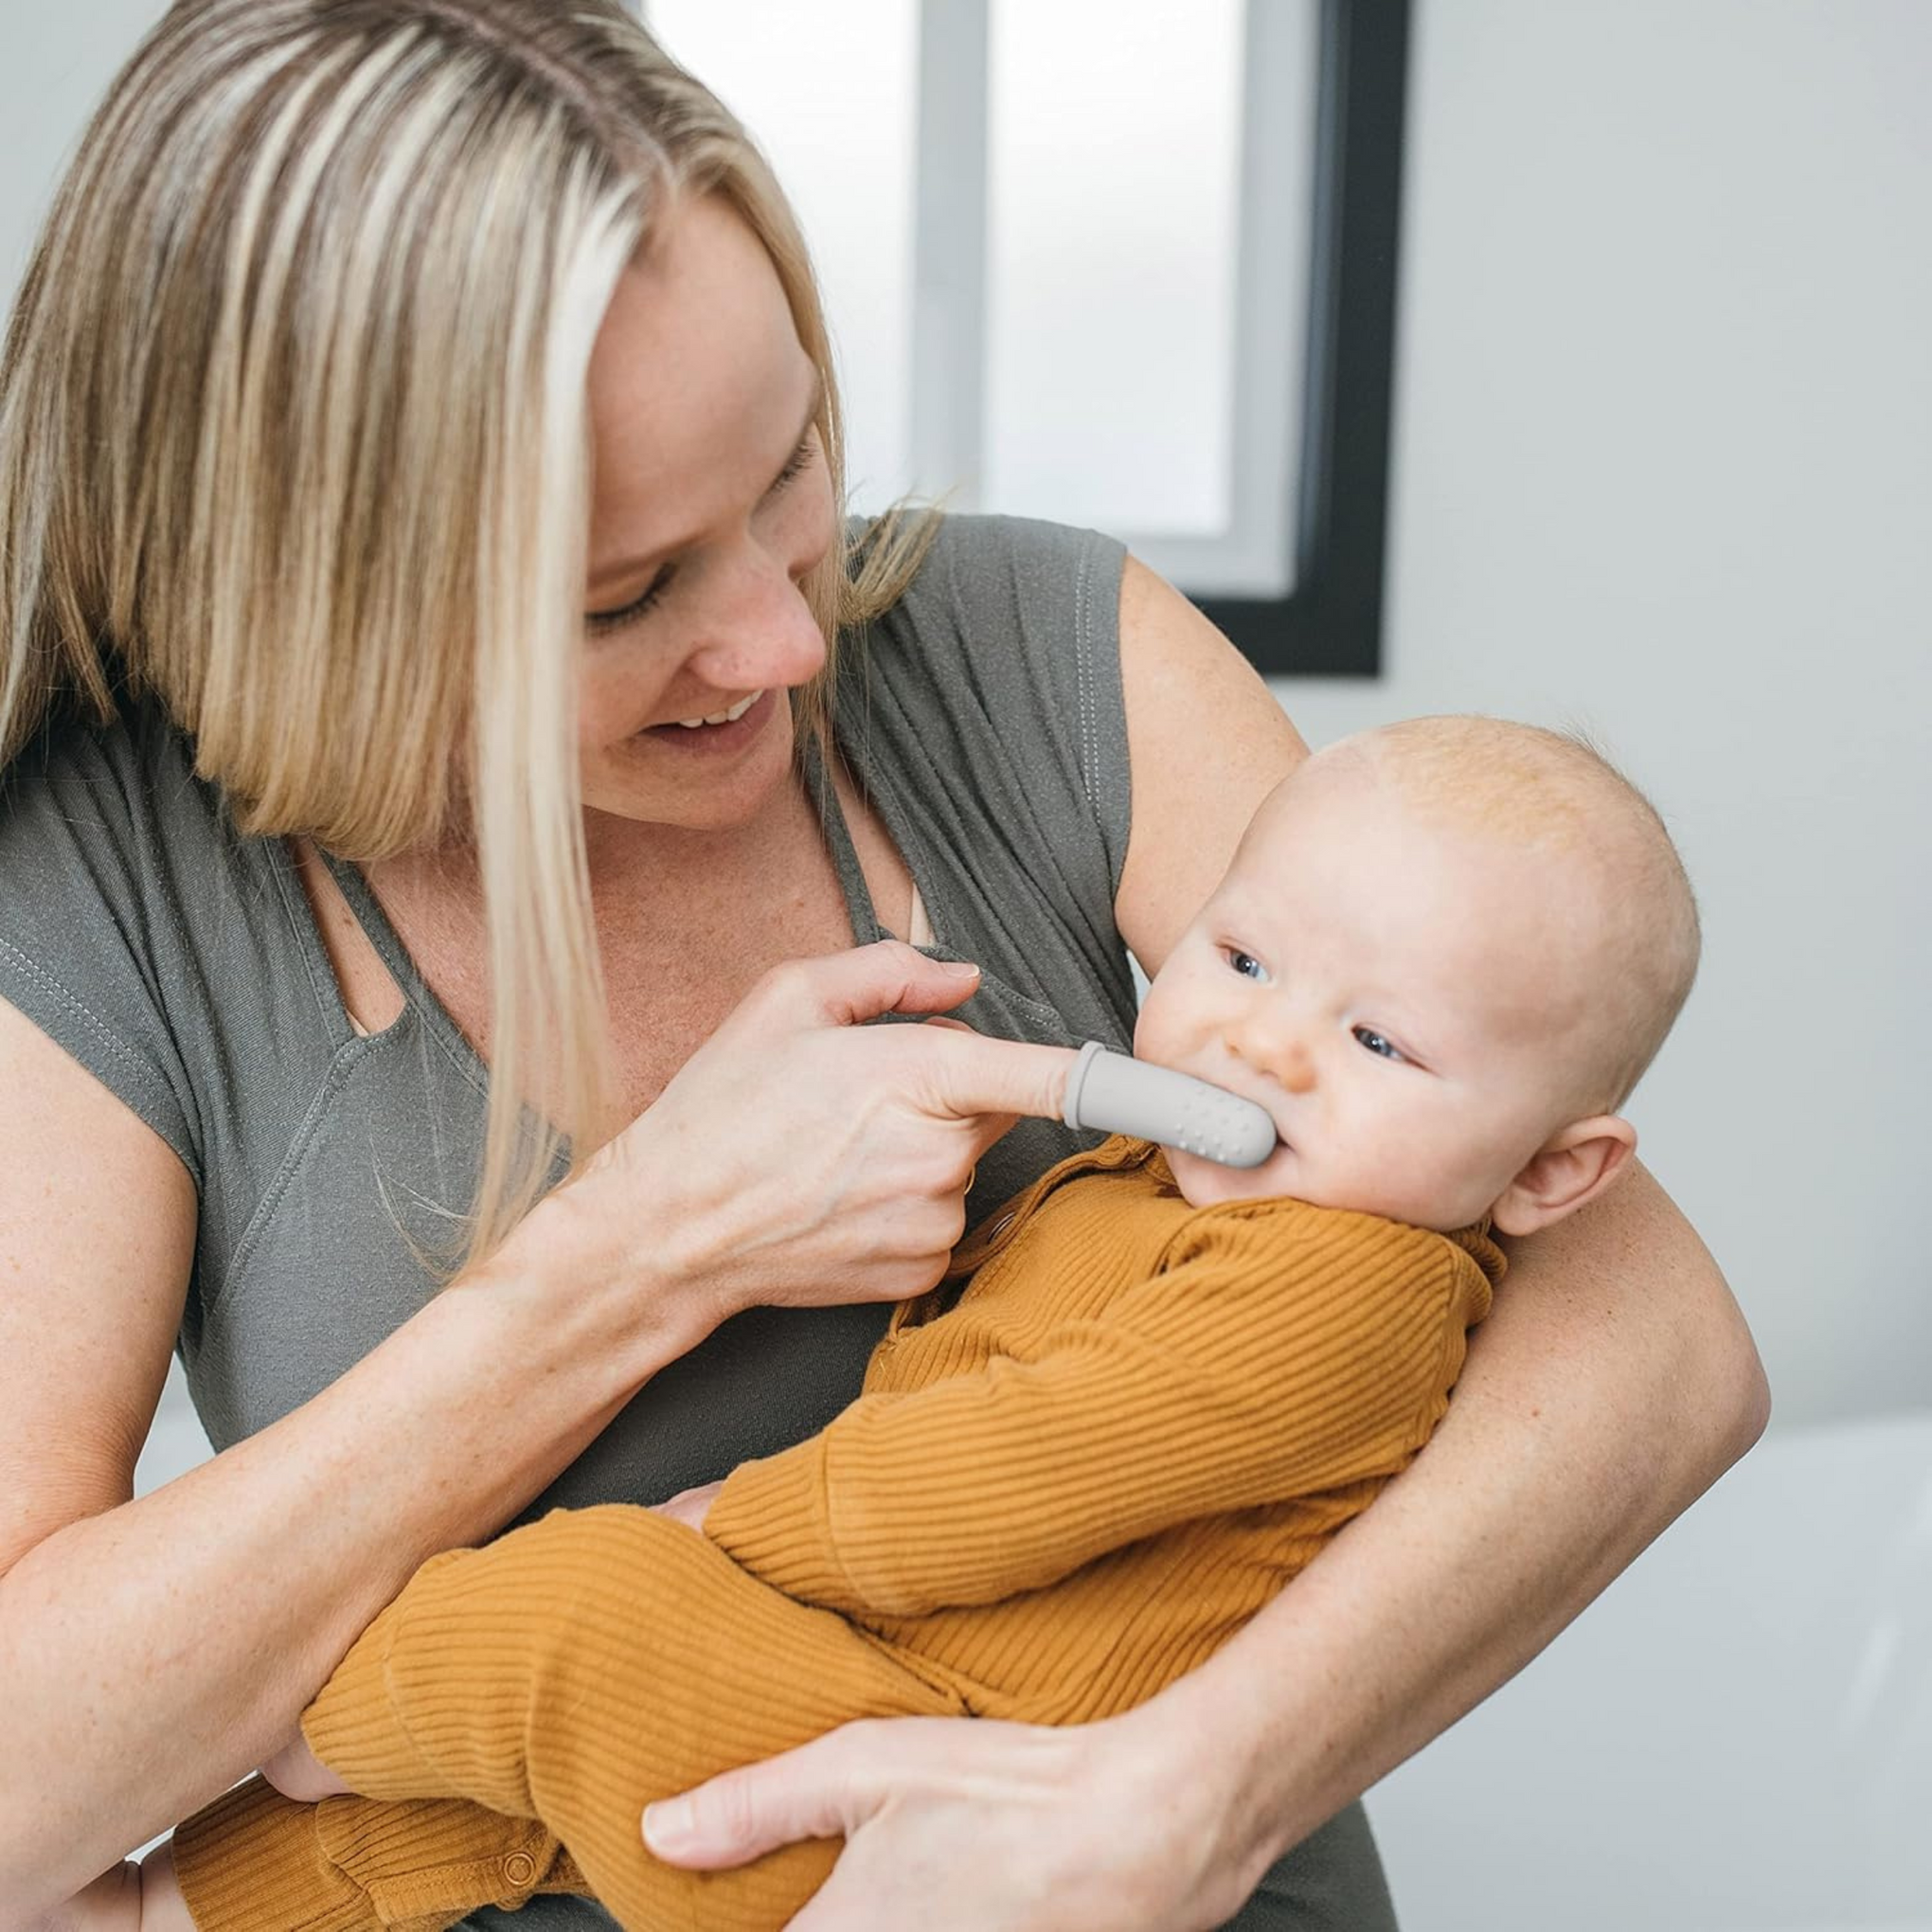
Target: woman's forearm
(152, 1654)
(1614, 1383)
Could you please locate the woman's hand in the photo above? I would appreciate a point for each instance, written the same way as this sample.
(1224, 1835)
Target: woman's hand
(983, 1826)
(800, 1157)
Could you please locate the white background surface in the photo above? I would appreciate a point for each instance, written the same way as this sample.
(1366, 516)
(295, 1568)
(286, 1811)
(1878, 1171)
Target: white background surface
(1663, 467)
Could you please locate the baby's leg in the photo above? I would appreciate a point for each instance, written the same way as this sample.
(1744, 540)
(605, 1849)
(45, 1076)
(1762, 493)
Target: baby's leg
(255, 1861)
(578, 1667)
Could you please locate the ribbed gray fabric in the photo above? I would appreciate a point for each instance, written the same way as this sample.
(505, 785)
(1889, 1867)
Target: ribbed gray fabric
(180, 964)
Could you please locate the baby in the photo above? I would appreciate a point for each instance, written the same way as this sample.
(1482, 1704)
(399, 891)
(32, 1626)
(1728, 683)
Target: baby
(1443, 956)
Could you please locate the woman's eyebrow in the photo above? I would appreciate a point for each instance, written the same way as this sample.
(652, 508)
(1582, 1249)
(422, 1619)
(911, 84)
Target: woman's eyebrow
(625, 567)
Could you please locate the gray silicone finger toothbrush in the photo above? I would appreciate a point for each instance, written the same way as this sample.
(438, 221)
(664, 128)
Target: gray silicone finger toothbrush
(1112, 1092)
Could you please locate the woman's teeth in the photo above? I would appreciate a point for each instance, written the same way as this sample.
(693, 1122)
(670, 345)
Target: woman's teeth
(737, 711)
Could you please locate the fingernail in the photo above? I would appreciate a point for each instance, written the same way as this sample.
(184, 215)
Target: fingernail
(666, 1824)
(958, 968)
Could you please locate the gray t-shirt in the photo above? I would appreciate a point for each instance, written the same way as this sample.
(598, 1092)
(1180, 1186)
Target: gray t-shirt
(180, 964)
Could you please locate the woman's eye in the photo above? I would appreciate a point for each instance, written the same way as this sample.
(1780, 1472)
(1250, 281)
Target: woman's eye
(599, 623)
(1379, 1042)
(1246, 964)
(795, 466)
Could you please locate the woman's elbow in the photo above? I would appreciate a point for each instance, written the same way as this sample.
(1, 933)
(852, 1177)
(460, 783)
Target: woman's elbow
(1728, 1388)
(1750, 1406)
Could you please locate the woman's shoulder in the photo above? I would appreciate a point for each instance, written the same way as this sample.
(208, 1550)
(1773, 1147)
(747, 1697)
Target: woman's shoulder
(1012, 625)
(984, 715)
(112, 814)
(1006, 647)
(1018, 573)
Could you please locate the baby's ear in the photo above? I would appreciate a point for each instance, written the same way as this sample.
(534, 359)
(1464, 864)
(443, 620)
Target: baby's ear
(1576, 1166)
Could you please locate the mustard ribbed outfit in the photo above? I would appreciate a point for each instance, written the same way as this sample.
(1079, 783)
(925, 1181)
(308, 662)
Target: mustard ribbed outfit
(1138, 1422)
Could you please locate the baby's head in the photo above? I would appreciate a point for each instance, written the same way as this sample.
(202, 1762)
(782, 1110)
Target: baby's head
(1443, 956)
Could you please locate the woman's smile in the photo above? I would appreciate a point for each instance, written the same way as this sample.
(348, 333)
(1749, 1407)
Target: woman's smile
(720, 733)
(717, 737)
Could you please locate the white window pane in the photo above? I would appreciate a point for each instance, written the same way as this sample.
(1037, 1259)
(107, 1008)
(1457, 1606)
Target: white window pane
(828, 90)
(1114, 222)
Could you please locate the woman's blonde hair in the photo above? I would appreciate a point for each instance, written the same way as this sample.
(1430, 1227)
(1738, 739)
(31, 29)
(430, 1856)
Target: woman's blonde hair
(293, 436)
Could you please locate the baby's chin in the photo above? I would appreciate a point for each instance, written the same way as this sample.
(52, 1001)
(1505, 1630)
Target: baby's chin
(1209, 1183)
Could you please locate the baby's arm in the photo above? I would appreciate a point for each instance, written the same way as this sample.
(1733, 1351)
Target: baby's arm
(1277, 1354)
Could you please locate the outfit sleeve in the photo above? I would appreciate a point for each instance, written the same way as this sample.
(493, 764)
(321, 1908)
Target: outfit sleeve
(1270, 1356)
(95, 947)
(985, 717)
(255, 1861)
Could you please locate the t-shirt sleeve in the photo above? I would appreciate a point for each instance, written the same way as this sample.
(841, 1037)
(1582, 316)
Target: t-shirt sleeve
(992, 703)
(1020, 620)
(90, 929)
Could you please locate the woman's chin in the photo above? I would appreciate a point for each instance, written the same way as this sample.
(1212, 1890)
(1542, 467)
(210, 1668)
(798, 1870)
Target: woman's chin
(659, 777)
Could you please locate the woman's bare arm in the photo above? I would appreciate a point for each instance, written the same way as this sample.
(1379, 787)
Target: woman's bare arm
(1614, 1382)
(152, 1652)
(1207, 744)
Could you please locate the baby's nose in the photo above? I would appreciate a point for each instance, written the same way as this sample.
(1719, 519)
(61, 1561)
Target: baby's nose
(1295, 1067)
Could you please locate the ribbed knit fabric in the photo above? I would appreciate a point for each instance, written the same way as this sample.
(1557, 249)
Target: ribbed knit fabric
(255, 1858)
(1138, 1425)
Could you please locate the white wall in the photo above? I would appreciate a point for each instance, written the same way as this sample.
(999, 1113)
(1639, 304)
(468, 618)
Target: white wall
(1735, 1738)
(1664, 465)
(55, 64)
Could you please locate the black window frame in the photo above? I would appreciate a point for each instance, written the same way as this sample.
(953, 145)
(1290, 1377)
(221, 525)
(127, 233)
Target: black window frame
(1330, 624)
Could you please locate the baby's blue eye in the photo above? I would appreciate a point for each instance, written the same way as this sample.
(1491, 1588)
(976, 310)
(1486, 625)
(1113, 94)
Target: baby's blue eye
(1246, 964)
(1378, 1043)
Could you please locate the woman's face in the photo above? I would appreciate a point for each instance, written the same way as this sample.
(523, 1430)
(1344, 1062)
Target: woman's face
(711, 502)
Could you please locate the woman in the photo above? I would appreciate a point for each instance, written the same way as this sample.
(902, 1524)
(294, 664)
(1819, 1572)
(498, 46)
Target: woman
(356, 685)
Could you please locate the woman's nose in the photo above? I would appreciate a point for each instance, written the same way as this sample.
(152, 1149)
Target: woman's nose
(762, 635)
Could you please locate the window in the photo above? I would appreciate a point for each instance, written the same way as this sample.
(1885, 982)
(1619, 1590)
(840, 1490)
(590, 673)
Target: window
(1111, 261)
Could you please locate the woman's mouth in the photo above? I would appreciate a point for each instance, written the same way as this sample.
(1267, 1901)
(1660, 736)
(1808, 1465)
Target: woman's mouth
(728, 716)
(720, 731)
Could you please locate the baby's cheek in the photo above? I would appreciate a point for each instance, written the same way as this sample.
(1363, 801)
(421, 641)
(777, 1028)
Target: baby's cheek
(1148, 1031)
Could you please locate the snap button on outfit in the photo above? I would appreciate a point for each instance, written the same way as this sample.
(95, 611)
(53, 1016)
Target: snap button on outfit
(520, 1869)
